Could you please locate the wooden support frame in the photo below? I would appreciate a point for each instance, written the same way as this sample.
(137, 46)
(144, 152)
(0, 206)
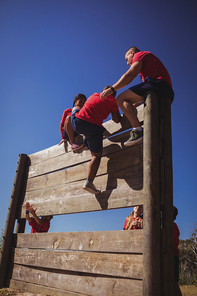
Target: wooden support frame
(141, 174)
(11, 216)
(151, 211)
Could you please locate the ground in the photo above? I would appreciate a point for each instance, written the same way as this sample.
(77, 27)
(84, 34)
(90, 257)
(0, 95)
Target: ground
(186, 291)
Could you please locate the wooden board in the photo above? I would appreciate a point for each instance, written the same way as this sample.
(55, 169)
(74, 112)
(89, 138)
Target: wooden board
(99, 241)
(110, 163)
(39, 281)
(72, 198)
(118, 265)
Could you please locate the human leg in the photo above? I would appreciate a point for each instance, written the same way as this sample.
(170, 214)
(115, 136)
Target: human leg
(69, 129)
(127, 101)
(71, 134)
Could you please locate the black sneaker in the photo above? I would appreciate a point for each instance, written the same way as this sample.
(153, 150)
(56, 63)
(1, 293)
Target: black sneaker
(135, 137)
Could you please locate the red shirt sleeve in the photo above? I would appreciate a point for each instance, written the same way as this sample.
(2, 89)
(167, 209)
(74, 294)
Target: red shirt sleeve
(176, 240)
(125, 224)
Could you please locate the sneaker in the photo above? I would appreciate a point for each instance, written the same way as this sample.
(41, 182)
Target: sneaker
(75, 146)
(89, 186)
(135, 137)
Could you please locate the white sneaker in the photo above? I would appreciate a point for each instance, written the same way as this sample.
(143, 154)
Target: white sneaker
(89, 186)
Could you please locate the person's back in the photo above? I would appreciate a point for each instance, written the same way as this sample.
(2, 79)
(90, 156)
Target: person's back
(95, 110)
(152, 67)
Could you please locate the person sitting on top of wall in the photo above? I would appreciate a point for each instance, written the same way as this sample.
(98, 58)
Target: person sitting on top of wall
(135, 219)
(38, 224)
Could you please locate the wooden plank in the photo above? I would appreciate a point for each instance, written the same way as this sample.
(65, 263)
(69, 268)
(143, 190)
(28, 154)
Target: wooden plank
(120, 241)
(167, 261)
(119, 265)
(11, 216)
(59, 150)
(70, 159)
(118, 191)
(110, 163)
(68, 284)
(151, 210)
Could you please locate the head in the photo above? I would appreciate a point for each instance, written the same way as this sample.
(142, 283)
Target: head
(79, 100)
(130, 53)
(47, 218)
(175, 212)
(138, 210)
(113, 94)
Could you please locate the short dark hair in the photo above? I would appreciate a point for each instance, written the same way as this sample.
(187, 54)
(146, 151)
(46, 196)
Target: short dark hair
(114, 92)
(134, 48)
(78, 97)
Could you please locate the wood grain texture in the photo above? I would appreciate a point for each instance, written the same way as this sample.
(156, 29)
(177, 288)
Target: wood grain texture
(110, 163)
(120, 265)
(117, 192)
(120, 241)
(58, 284)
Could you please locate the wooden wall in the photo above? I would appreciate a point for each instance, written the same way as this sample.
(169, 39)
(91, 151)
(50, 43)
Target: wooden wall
(82, 263)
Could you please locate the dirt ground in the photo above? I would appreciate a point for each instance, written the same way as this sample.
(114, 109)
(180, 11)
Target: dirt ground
(186, 291)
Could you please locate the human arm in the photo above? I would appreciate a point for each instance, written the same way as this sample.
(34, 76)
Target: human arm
(124, 80)
(27, 206)
(116, 117)
(61, 132)
(37, 219)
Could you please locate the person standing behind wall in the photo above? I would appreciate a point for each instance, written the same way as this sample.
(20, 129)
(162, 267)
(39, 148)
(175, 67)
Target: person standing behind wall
(155, 78)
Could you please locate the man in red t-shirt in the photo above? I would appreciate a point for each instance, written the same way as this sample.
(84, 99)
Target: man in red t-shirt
(38, 224)
(155, 77)
(88, 121)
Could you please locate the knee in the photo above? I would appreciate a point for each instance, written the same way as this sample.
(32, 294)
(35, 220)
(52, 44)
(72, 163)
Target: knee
(120, 100)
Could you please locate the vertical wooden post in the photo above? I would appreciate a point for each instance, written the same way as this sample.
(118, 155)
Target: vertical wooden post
(11, 216)
(151, 211)
(167, 258)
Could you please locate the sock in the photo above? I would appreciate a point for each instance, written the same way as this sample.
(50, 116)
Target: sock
(139, 128)
(91, 181)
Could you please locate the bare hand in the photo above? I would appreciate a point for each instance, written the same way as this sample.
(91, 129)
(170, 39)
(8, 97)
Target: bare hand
(105, 93)
(62, 141)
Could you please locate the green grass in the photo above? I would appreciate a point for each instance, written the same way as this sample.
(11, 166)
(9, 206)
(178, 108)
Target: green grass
(189, 290)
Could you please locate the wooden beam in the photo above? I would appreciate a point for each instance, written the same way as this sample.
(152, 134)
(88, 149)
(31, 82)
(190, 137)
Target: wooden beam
(118, 265)
(151, 211)
(167, 270)
(39, 281)
(113, 162)
(120, 241)
(11, 216)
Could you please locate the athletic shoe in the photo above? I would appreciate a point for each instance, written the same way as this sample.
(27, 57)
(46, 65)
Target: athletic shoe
(75, 146)
(89, 186)
(135, 137)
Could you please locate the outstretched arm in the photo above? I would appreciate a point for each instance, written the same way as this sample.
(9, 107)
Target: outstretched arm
(124, 80)
(33, 212)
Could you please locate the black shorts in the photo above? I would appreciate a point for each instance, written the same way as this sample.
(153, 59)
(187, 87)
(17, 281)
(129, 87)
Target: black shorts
(160, 87)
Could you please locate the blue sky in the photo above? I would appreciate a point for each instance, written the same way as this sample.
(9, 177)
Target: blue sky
(53, 49)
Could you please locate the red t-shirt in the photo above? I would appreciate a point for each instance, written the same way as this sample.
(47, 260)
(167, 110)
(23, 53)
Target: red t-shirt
(39, 228)
(176, 240)
(65, 114)
(95, 110)
(152, 67)
(134, 227)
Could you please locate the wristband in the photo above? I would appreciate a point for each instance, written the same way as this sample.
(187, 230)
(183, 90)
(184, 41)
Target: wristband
(26, 212)
(112, 89)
